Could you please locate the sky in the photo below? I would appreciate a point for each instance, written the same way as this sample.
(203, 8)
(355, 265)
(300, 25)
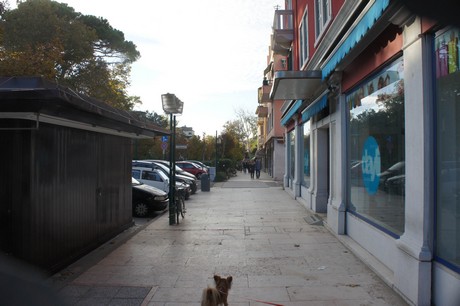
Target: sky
(210, 53)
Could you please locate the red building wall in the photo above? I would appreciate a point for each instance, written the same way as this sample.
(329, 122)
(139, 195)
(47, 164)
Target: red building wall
(385, 47)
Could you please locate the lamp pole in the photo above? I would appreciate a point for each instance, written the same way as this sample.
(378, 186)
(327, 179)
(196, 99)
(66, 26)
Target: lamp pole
(216, 153)
(172, 207)
(172, 105)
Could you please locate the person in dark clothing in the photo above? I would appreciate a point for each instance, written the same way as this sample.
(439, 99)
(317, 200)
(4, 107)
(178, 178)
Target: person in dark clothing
(251, 167)
(257, 167)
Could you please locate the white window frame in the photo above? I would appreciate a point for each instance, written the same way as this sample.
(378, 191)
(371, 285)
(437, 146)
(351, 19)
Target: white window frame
(322, 18)
(303, 39)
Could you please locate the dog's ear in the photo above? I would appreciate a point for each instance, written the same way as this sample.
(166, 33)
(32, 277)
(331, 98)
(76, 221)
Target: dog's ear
(229, 282)
(216, 278)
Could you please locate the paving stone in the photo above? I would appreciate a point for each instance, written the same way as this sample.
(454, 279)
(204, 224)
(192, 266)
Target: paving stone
(254, 232)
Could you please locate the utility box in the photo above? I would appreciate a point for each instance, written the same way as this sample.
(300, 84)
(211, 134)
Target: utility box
(212, 173)
(205, 182)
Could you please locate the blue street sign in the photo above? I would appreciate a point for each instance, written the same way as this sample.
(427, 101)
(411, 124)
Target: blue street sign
(164, 138)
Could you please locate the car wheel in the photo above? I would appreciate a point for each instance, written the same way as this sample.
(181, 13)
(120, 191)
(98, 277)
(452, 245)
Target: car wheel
(140, 210)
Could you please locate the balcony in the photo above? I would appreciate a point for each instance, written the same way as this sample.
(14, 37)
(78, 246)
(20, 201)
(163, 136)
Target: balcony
(262, 111)
(283, 32)
(264, 93)
(261, 141)
(260, 121)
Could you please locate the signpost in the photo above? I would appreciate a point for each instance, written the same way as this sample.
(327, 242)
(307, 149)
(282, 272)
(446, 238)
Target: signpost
(164, 144)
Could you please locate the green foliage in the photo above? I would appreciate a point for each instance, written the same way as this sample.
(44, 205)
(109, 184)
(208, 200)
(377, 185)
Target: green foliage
(157, 119)
(224, 164)
(147, 148)
(83, 52)
(221, 176)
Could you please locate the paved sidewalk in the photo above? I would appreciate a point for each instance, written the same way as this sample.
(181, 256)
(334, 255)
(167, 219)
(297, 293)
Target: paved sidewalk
(248, 228)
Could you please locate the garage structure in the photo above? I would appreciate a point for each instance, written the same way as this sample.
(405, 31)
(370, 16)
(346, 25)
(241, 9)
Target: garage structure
(65, 163)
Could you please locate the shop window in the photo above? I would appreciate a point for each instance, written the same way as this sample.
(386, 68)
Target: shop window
(292, 154)
(306, 154)
(376, 143)
(447, 56)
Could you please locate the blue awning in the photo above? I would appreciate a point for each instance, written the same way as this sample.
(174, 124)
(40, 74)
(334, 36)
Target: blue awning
(315, 107)
(358, 32)
(291, 112)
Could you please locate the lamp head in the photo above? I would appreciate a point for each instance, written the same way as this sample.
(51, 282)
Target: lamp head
(171, 104)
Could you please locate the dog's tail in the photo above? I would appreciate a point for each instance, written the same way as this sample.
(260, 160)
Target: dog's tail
(210, 297)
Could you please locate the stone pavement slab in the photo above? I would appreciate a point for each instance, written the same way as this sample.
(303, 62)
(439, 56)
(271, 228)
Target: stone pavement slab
(250, 229)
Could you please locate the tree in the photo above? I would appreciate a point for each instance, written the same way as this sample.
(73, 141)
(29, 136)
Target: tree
(248, 126)
(244, 129)
(149, 148)
(50, 39)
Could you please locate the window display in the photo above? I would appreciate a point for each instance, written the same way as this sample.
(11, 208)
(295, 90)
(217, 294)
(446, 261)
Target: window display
(306, 154)
(448, 148)
(376, 142)
(292, 155)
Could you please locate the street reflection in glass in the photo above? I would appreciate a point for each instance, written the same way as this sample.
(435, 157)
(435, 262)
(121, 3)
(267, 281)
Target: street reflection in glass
(376, 141)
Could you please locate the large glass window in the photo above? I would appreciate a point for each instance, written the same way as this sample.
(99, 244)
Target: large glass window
(376, 144)
(306, 154)
(303, 35)
(292, 154)
(447, 56)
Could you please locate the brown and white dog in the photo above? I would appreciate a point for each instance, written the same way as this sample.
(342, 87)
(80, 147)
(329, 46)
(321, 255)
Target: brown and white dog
(217, 296)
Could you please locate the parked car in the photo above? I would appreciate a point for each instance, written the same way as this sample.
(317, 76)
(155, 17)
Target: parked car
(178, 169)
(162, 167)
(156, 178)
(199, 163)
(146, 199)
(192, 168)
(397, 170)
(396, 184)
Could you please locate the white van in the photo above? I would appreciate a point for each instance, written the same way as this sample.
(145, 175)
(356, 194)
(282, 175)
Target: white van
(151, 177)
(157, 178)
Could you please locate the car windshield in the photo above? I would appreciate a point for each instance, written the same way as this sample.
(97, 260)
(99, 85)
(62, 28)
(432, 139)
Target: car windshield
(161, 166)
(163, 175)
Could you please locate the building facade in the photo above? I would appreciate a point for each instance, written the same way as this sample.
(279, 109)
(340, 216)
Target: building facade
(371, 138)
(270, 146)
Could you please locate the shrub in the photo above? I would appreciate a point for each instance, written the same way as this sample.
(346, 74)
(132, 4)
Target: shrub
(224, 163)
(221, 176)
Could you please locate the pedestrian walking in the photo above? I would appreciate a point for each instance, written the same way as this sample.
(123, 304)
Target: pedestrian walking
(251, 166)
(257, 166)
(245, 165)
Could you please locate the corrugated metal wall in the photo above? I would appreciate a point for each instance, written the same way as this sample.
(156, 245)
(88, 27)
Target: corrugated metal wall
(64, 192)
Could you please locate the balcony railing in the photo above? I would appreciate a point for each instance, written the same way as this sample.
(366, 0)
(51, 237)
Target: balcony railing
(264, 93)
(283, 31)
(262, 111)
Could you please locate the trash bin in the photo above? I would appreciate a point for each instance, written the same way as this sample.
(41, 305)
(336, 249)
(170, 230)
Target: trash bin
(205, 182)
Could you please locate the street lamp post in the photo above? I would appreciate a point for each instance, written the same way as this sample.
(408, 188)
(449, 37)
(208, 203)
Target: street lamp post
(172, 106)
(218, 141)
